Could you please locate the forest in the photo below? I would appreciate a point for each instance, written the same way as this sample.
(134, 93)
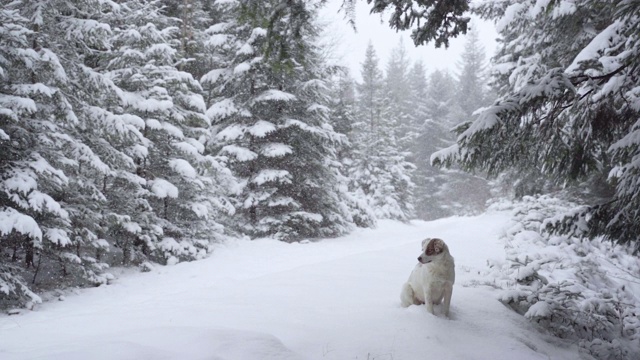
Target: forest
(142, 132)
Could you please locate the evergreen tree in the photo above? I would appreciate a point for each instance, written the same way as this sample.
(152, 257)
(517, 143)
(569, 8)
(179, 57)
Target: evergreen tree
(20, 177)
(438, 99)
(102, 143)
(343, 117)
(269, 105)
(567, 108)
(59, 152)
(472, 82)
(194, 16)
(175, 201)
(397, 106)
(431, 20)
(380, 169)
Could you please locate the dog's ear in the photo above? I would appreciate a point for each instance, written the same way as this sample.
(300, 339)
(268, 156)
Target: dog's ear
(438, 245)
(435, 247)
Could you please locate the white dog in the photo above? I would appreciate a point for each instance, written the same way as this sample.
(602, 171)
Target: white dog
(431, 281)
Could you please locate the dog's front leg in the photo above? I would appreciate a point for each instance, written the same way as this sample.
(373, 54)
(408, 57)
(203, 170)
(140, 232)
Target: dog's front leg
(428, 301)
(448, 291)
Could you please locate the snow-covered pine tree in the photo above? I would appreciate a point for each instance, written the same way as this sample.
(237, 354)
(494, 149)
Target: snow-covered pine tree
(397, 107)
(418, 85)
(472, 92)
(20, 175)
(435, 100)
(429, 135)
(568, 107)
(343, 102)
(63, 163)
(380, 170)
(465, 193)
(430, 20)
(268, 103)
(195, 16)
(174, 199)
(342, 117)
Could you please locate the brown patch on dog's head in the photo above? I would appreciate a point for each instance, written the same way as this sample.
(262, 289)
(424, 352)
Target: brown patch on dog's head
(434, 247)
(431, 248)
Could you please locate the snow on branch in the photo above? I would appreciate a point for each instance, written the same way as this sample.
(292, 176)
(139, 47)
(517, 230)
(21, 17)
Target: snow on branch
(261, 128)
(231, 132)
(192, 148)
(274, 95)
(239, 152)
(445, 156)
(212, 76)
(222, 109)
(270, 175)
(603, 41)
(276, 150)
(163, 189)
(58, 236)
(183, 168)
(11, 220)
(42, 166)
(42, 202)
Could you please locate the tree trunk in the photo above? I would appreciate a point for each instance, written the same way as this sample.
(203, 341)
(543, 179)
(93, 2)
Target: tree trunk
(28, 257)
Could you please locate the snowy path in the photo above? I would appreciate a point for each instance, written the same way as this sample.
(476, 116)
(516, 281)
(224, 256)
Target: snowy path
(335, 299)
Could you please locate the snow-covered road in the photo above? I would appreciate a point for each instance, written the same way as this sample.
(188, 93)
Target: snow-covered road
(334, 299)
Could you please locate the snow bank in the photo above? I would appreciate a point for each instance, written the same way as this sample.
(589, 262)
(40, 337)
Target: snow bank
(579, 289)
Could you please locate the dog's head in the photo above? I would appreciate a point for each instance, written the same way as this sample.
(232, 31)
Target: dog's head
(431, 250)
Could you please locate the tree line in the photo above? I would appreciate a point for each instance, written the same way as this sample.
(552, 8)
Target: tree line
(138, 132)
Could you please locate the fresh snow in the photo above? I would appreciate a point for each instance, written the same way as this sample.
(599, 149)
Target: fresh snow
(262, 128)
(602, 41)
(274, 95)
(12, 220)
(183, 168)
(162, 188)
(271, 175)
(510, 14)
(265, 299)
(276, 150)
(242, 68)
(240, 153)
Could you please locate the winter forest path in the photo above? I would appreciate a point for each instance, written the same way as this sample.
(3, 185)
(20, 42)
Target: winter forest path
(333, 299)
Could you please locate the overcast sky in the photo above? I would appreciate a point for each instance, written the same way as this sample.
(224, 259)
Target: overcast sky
(350, 46)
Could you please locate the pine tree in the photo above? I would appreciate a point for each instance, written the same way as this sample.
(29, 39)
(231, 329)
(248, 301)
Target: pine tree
(343, 114)
(194, 17)
(567, 108)
(431, 20)
(380, 169)
(64, 154)
(397, 97)
(269, 105)
(175, 198)
(20, 178)
(437, 100)
(472, 82)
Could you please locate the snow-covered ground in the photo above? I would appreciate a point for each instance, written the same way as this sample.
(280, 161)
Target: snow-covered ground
(263, 299)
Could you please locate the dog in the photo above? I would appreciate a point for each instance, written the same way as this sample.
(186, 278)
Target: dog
(431, 281)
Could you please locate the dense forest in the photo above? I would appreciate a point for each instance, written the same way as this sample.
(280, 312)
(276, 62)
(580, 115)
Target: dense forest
(139, 132)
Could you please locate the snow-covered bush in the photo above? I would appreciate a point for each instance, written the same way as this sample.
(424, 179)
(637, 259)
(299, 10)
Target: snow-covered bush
(580, 289)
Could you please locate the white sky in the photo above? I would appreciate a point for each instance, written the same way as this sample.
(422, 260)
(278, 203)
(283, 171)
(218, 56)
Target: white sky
(350, 46)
